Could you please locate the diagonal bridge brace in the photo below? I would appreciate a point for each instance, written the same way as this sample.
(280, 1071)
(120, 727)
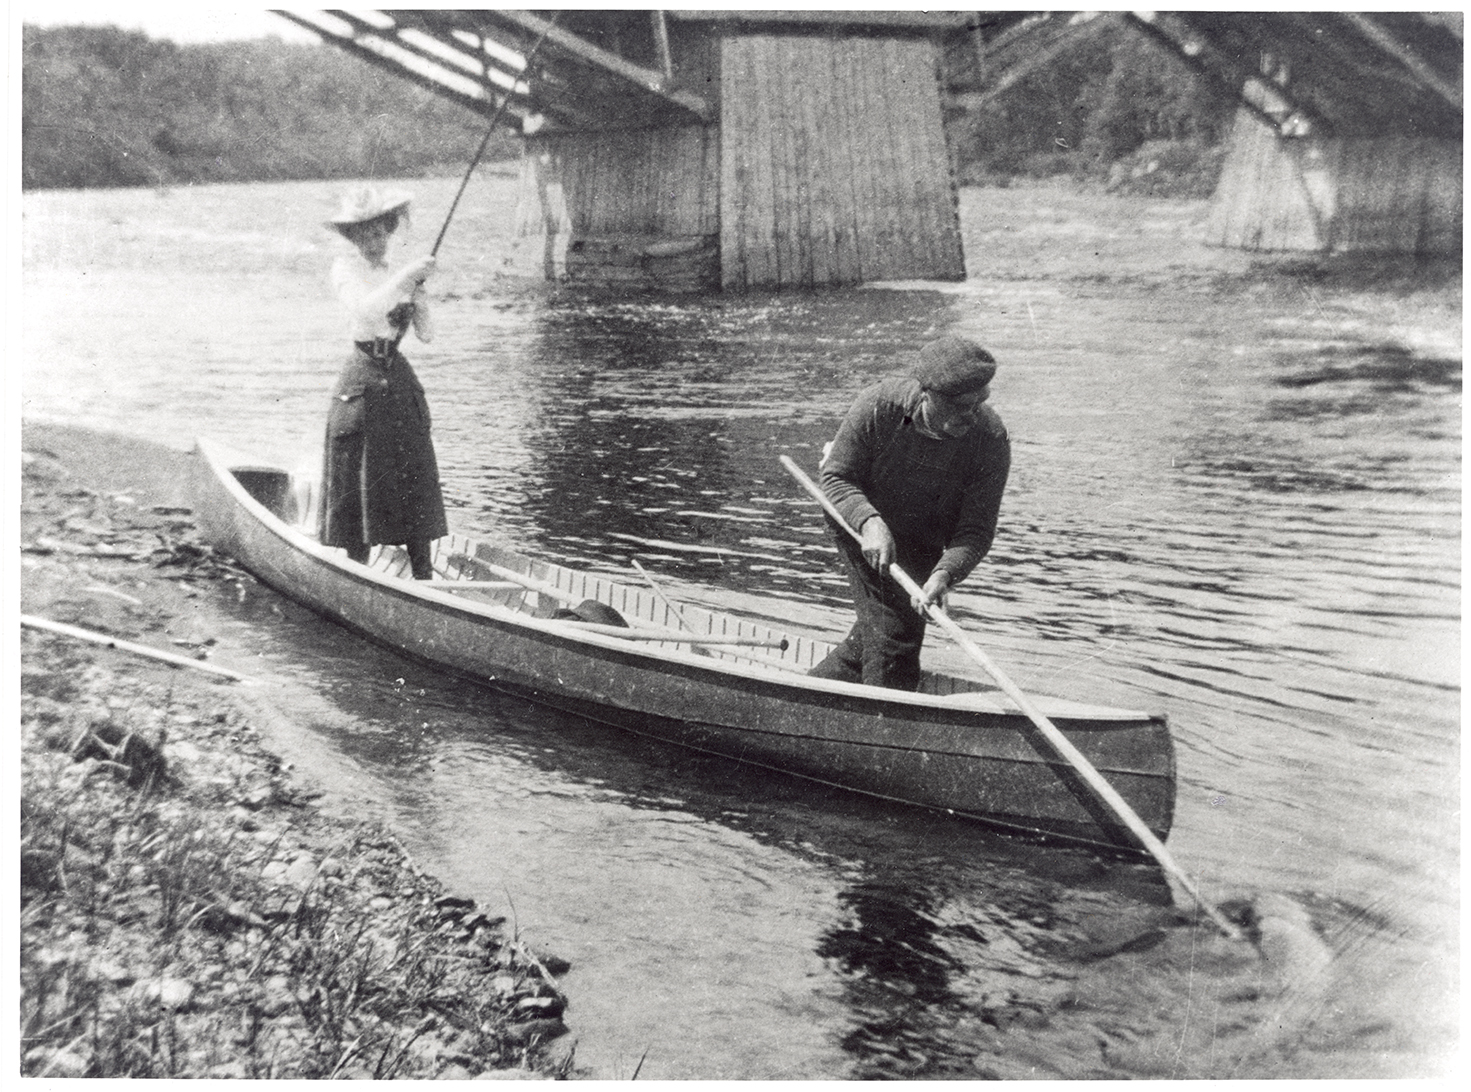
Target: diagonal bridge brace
(477, 58)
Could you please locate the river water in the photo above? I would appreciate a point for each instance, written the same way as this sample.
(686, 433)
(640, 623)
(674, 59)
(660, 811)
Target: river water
(1235, 499)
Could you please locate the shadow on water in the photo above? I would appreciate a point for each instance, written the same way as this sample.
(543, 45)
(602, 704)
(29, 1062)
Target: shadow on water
(1359, 272)
(1384, 369)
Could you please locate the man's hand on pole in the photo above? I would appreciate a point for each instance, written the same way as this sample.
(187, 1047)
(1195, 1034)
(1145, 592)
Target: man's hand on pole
(936, 591)
(877, 543)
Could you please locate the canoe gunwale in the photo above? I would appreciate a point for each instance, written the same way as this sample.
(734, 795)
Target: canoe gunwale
(1081, 717)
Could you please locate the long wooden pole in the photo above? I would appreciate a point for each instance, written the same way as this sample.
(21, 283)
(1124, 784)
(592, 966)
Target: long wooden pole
(1059, 742)
(531, 583)
(475, 162)
(781, 643)
(77, 633)
(672, 636)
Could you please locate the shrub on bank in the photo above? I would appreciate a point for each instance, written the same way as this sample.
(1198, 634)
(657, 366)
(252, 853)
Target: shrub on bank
(1163, 168)
(1099, 113)
(1159, 168)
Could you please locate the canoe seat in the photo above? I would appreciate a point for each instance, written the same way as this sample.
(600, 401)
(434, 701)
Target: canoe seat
(272, 489)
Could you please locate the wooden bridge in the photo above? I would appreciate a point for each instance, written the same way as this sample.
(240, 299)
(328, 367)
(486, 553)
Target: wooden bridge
(770, 149)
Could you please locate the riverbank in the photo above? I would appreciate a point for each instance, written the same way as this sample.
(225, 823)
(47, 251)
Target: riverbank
(186, 910)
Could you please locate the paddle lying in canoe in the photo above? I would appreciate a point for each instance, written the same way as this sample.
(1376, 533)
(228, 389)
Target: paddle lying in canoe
(1075, 758)
(956, 745)
(635, 631)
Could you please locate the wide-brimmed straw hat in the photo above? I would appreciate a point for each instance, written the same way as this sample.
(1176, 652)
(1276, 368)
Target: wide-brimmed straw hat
(364, 203)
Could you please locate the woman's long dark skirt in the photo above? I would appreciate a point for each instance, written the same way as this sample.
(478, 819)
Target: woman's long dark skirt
(380, 478)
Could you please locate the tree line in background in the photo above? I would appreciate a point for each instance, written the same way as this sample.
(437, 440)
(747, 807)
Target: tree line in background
(103, 106)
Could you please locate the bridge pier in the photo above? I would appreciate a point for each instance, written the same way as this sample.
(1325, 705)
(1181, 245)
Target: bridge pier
(632, 208)
(1372, 194)
(825, 163)
(770, 149)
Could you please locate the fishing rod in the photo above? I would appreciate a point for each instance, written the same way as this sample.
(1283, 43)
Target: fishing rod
(490, 129)
(475, 162)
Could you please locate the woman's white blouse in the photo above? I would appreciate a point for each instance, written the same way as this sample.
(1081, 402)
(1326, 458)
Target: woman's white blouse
(370, 291)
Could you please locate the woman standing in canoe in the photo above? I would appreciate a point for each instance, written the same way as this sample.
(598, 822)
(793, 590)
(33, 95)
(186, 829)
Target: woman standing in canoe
(380, 480)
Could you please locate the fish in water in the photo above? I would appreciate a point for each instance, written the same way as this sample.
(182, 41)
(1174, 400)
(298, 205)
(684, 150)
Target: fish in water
(1293, 950)
(1295, 958)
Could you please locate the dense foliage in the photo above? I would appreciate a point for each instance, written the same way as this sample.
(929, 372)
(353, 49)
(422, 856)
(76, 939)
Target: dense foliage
(108, 107)
(1112, 107)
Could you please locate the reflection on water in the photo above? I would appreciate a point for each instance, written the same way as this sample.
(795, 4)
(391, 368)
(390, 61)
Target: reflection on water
(887, 942)
(1235, 499)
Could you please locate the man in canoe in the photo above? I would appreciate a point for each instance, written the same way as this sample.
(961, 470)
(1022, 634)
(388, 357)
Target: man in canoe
(917, 468)
(380, 479)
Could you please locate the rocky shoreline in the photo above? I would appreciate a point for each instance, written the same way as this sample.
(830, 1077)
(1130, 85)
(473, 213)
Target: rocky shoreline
(186, 910)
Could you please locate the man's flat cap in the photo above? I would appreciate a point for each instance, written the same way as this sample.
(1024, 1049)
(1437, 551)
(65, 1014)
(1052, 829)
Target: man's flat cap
(954, 365)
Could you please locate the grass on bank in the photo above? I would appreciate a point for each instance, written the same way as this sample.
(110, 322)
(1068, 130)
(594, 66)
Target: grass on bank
(183, 915)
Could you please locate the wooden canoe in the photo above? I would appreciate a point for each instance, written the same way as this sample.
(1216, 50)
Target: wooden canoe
(702, 679)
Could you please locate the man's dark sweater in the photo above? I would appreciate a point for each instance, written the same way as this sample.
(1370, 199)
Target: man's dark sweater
(940, 498)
